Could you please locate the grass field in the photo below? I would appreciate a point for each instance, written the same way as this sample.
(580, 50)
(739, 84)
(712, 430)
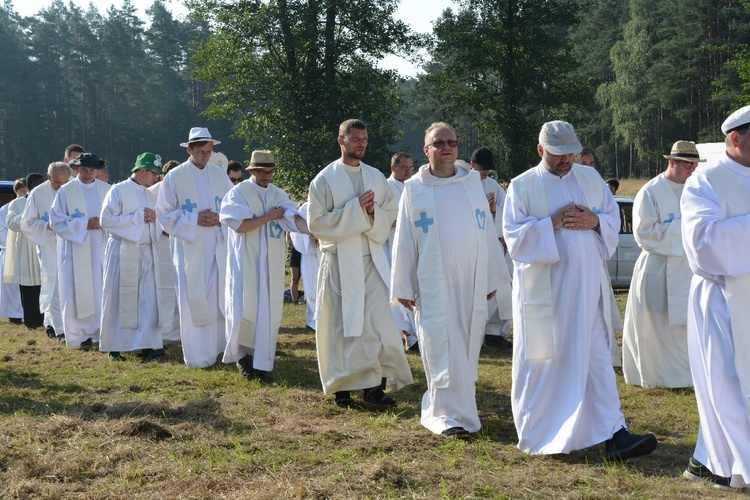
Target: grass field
(630, 187)
(75, 425)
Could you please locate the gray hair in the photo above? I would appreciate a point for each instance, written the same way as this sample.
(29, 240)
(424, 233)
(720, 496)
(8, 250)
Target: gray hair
(56, 167)
(437, 125)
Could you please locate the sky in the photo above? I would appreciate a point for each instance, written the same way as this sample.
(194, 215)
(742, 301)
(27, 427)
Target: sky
(419, 14)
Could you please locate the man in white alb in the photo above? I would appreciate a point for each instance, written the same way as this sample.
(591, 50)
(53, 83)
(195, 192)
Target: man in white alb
(188, 209)
(654, 341)
(715, 207)
(257, 213)
(132, 305)
(170, 330)
(351, 210)
(560, 221)
(402, 166)
(443, 270)
(74, 216)
(36, 226)
(10, 293)
(499, 307)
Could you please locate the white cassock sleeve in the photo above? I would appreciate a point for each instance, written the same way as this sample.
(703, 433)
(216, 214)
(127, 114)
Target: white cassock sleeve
(70, 228)
(530, 240)
(126, 226)
(714, 243)
(335, 224)
(663, 237)
(404, 282)
(4, 225)
(234, 210)
(174, 220)
(33, 226)
(14, 219)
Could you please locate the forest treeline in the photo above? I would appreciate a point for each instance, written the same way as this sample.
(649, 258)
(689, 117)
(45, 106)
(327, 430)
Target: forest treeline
(633, 76)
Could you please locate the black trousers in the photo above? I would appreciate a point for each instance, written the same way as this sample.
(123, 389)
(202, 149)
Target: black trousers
(32, 316)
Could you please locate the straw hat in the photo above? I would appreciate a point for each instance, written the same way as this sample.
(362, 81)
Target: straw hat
(685, 151)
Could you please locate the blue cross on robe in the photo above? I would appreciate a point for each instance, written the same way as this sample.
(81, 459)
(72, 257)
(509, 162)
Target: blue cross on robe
(78, 214)
(45, 217)
(189, 206)
(671, 218)
(424, 222)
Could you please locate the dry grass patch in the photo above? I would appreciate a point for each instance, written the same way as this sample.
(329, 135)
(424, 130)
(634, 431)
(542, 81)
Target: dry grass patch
(630, 187)
(75, 425)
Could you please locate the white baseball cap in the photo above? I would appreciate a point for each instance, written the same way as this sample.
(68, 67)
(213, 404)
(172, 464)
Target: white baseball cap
(558, 138)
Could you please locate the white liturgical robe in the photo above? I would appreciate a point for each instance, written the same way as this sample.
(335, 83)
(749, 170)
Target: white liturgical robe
(79, 258)
(35, 225)
(715, 209)
(358, 343)
(170, 331)
(255, 272)
(10, 293)
(22, 264)
(499, 311)
(654, 343)
(445, 236)
(403, 317)
(309, 263)
(131, 301)
(199, 256)
(564, 395)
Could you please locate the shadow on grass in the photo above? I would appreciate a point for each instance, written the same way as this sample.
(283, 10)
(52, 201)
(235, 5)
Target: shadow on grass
(30, 382)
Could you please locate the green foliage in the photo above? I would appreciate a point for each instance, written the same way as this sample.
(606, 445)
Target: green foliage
(106, 81)
(670, 79)
(503, 67)
(292, 71)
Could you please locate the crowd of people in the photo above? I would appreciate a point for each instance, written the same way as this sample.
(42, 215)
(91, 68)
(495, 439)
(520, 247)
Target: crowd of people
(193, 253)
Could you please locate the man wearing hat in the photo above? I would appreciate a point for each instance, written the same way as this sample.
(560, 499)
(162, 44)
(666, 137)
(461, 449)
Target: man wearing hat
(654, 343)
(74, 216)
(35, 225)
(257, 213)
(133, 311)
(499, 308)
(715, 208)
(560, 221)
(188, 209)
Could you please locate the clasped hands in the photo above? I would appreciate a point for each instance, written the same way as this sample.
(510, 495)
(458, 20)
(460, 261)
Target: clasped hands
(208, 218)
(367, 201)
(575, 217)
(149, 215)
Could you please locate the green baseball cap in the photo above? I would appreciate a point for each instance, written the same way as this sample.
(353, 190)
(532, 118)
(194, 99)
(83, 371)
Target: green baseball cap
(149, 161)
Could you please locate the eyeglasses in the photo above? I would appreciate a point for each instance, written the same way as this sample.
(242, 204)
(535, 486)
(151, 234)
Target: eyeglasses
(442, 144)
(260, 172)
(235, 180)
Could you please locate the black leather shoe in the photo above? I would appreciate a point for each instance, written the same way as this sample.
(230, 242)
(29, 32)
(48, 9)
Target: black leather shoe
(264, 376)
(86, 345)
(625, 445)
(376, 397)
(245, 366)
(343, 399)
(456, 432)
